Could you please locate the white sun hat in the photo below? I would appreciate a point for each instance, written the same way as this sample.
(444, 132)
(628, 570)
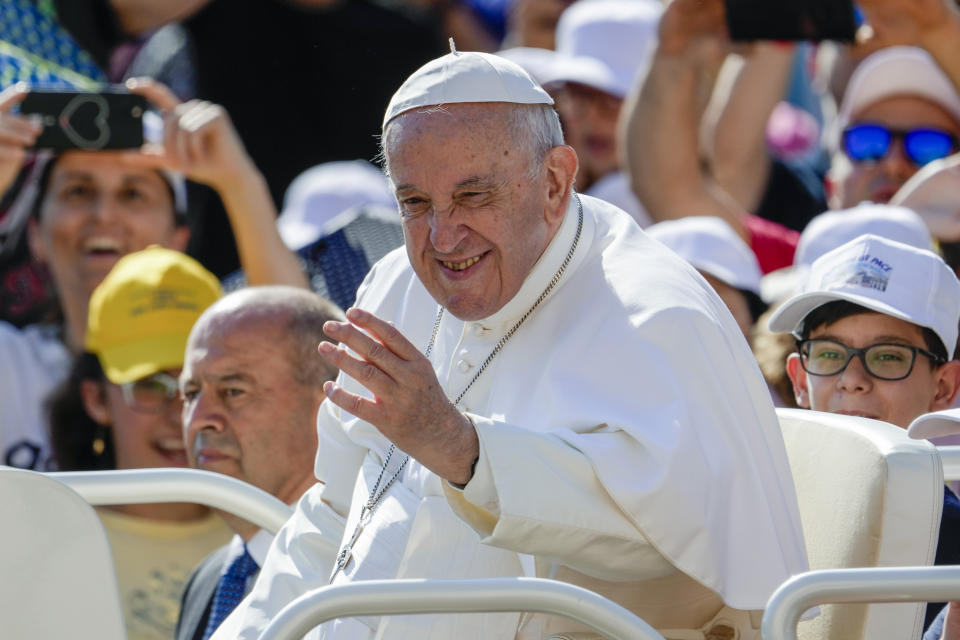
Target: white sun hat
(892, 278)
(465, 76)
(605, 43)
(321, 193)
(831, 229)
(711, 246)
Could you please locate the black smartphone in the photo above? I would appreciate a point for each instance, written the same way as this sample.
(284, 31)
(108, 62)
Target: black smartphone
(107, 119)
(813, 20)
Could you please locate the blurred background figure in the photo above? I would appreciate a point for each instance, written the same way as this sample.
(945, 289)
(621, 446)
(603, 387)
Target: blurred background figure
(717, 252)
(934, 193)
(90, 208)
(319, 194)
(602, 46)
(120, 409)
(322, 71)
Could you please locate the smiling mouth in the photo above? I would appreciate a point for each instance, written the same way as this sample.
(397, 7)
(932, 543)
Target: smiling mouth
(101, 246)
(460, 266)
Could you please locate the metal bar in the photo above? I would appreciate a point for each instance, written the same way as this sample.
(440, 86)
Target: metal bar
(950, 458)
(403, 597)
(874, 584)
(145, 486)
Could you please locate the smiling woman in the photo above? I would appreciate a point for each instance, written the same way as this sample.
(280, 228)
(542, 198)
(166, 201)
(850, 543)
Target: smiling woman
(92, 209)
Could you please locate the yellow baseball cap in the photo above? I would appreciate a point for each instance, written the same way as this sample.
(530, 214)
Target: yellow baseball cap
(141, 314)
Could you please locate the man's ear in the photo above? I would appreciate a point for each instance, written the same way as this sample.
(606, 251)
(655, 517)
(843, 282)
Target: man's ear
(947, 380)
(799, 379)
(94, 397)
(561, 165)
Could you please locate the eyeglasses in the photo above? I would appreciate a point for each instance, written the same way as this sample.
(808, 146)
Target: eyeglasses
(153, 393)
(884, 361)
(872, 142)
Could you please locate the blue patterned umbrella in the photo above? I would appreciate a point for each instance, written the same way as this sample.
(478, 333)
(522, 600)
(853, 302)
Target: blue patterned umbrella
(35, 48)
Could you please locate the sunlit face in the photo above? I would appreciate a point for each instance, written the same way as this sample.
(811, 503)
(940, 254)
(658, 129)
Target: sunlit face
(142, 439)
(474, 221)
(855, 392)
(244, 413)
(878, 181)
(96, 210)
(590, 127)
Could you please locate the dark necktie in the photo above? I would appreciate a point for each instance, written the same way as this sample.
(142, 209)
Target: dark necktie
(230, 590)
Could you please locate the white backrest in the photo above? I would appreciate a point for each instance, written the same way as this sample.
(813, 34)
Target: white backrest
(869, 496)
(56, 570)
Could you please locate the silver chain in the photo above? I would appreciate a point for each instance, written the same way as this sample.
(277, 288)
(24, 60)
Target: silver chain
(377, 492)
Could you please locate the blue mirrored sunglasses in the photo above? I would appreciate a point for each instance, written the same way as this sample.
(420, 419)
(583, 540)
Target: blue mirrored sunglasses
(872, 142)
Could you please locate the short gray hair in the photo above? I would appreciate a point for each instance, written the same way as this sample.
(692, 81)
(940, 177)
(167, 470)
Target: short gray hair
(535, 127)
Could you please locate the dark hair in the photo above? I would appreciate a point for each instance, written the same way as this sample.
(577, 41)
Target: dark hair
(72, 431)
(839, 309)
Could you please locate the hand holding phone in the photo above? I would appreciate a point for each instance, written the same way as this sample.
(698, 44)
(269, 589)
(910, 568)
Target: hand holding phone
(92, 121)
(812, 20)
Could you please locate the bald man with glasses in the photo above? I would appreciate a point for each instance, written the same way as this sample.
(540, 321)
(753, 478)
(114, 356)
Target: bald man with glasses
(876, 328)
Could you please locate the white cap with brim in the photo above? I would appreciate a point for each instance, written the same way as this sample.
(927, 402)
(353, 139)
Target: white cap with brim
(896, 71)
(885, 276)
(321, 193)
(831, 229)
(711, 246)
(604, 44)
(935, 425)
(539, 63)
(467, 76)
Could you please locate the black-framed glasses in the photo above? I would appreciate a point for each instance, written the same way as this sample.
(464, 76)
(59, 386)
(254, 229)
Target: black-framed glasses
(868, 141)
(887, 361)
(153, 393)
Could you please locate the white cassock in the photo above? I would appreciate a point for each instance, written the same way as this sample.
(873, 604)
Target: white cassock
(626, 437)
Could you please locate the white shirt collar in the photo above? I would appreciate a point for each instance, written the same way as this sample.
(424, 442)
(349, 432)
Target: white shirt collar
(258, 546)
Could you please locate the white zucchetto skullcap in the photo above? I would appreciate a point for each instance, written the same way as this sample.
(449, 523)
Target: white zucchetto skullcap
(467, 76)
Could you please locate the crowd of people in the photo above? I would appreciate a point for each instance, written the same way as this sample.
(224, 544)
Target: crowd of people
(545, 337)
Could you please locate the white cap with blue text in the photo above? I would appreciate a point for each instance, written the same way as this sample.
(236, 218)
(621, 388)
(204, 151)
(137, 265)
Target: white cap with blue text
(465, 76)
(889, 277)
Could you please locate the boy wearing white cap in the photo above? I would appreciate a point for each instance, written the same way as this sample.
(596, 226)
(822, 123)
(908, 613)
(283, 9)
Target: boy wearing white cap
(876, 324)
(876, 327)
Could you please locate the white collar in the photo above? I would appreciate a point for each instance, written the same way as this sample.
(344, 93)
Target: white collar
(257, 546)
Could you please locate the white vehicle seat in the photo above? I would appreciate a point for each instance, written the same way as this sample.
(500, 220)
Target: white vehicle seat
(56, 566)
(869, 496)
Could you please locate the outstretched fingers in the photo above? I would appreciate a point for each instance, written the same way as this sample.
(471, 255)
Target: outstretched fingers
(385, 332)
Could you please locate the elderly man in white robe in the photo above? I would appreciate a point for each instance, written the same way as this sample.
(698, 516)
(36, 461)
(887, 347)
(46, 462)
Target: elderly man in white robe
(533, 387)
